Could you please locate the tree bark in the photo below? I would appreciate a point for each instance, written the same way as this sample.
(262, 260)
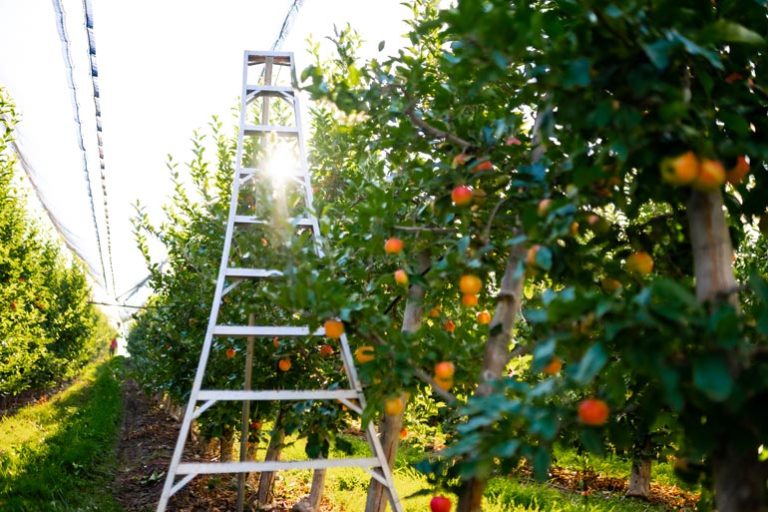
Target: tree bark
(267, 478)
(316, 491)
(390, 426)
(227, 444)
(497, 355)
(640, 478)
(740, 478)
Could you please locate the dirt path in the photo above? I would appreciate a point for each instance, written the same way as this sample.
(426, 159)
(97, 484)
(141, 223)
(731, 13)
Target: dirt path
(148, 436)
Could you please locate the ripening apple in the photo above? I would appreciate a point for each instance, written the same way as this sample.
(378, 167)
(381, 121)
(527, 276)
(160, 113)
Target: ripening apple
(483, 317)
(394, 406)
(333, 329)
(231, 353)
(444, 370)
(610, 285)
(544, 206)
(470, 284)
(485, 165)
(449, 326)
(461, 195)
(401, 277)
(738, 171)
(326, 350)
(440, 504)
(364, 354)
(640, 263)
(434, 312)
(530, 257)
(593, 412)
(285, 364)
(711, 176)
(460, 160)
(469, 300)
(680, 170)
(393, 246)
(554, 366)
(444, 383)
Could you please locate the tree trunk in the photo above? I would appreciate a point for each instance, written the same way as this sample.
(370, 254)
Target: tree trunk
(390, 426)
(740, 478)
(253, 450)
(497, 355)
(316, 491)
(227, 444)
(640, 478)
(267, 478)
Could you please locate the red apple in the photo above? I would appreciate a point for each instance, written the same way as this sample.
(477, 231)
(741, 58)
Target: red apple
(440, 504)
(461, 195)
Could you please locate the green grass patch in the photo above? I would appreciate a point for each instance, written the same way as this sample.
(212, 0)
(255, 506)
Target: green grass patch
(347, 487)
(60, 455)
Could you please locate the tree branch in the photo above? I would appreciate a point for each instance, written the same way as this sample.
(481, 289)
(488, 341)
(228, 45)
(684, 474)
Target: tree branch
(418, 372)
(431, 130)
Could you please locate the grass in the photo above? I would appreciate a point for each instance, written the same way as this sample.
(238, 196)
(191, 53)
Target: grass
(347, 488)
(59, 455)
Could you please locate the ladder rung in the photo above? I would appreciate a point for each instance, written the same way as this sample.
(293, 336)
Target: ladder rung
(210, 468)
(279, 58)
(269, 90)
(249, 219)
(247, 172)
(245, 273)
(276, 395)
(261, 330)
(267, 128)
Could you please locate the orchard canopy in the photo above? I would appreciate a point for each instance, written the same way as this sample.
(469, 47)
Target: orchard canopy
(547, 217)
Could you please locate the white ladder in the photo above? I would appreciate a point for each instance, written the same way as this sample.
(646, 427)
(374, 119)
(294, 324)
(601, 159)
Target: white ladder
(202, 399)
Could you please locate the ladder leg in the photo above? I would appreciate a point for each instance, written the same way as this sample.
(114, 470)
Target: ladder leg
(205, 353)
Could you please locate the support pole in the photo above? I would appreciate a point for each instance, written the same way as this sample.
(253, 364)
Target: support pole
(241, 477)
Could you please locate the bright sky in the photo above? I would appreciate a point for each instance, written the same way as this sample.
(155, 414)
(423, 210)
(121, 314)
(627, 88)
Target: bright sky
(165, 66)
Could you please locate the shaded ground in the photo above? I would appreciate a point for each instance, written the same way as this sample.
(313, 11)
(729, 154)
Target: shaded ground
(145, 449)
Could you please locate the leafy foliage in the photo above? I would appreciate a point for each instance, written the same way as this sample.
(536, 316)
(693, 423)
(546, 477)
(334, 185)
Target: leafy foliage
(48, 328)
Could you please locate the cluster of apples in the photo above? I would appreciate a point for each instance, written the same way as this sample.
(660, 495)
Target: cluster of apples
(703, 174)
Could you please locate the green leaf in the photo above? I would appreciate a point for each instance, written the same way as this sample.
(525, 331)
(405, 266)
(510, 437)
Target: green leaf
(697, 50)
(577, 73)
(658, 53)
(381, 44)
(544, 258)
(711, 377)
(592, 362)
(507, 449)
(730, 32)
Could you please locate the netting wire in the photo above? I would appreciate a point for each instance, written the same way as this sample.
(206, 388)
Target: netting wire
(65, 43)
(88, 8)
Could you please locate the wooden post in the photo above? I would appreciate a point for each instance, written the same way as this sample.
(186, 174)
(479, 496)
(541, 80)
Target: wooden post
(246, 418)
